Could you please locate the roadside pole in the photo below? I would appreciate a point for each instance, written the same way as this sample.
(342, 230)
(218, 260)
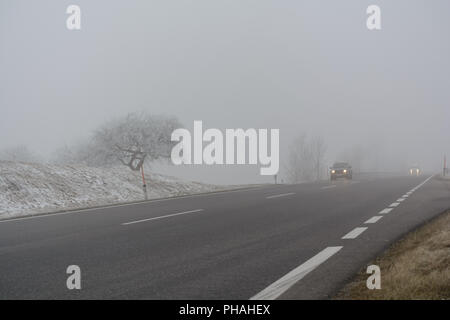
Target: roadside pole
(144, 185)
(444, 170)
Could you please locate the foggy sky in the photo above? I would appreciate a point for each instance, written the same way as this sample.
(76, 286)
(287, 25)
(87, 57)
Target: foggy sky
(301, 66)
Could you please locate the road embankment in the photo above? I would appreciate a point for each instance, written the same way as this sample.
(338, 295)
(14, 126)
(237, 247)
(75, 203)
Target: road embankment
(415, 267)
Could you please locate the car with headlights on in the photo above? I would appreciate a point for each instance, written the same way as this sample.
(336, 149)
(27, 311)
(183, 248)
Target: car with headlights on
(341, 170)
(414, 171)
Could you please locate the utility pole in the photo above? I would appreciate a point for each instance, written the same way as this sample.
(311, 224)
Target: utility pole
(144, 185)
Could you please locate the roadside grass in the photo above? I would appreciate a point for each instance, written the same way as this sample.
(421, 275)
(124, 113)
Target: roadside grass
(417, 267)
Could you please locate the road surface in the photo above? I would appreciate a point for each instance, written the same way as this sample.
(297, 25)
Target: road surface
(276, 242)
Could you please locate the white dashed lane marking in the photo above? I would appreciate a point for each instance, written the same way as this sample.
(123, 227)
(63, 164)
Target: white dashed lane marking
(277, 288)
(395, 204)
(280, 195)
(162, 217)
(374, 219)
(280, 286)
(354, 233)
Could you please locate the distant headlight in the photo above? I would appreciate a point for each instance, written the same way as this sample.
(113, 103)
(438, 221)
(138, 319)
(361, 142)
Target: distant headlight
(417, 170)
(333, 171)
(345, 171)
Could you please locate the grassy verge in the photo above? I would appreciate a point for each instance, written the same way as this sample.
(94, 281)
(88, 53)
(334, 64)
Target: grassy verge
(415, 267)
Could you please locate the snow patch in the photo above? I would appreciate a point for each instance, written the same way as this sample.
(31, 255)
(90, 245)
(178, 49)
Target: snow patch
(29, 188)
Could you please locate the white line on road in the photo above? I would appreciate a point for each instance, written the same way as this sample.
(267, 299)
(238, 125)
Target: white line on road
(354, 233)
(405, 196)
(394, 204)
(387, 210)
(374, 219)
(103, 208)
(328, 187)
(280, 195)
(421, 184)
(162, 217)
(280, 286)
(400, 199)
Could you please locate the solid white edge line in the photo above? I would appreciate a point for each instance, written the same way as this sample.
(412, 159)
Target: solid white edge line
(374, 219)
(354, 233)
(162, 217)
(280, 195)
(280, 286)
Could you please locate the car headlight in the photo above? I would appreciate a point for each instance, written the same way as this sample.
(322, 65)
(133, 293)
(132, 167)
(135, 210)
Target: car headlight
(333, 171)
(345, 171)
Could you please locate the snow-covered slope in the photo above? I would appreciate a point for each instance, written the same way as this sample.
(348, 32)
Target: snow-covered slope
(27, 188)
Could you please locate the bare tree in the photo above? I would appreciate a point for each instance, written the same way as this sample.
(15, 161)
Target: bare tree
(299, 161)
(355, 156)
(318, 149)
(130, 140)
(306, 159)
(133, 139)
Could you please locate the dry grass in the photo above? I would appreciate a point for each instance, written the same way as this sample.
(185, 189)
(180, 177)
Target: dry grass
(416, 267)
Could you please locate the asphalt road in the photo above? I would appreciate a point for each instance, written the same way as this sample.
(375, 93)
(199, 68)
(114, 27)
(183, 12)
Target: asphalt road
(281, 241)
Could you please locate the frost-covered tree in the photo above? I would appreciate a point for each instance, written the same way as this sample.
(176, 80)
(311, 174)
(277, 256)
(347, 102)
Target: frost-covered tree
(131, 140)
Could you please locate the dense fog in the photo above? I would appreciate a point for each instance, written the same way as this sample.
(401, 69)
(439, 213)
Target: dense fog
(311, 69)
